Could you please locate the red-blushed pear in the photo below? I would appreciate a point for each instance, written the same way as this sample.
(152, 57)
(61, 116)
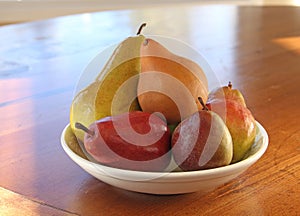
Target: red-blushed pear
(201, 141)
(240, 123)
(134, 140)
(227, 93)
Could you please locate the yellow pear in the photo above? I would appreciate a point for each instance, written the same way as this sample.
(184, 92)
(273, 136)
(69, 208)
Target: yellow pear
(169, 84)
(73, 143)
(95, 101)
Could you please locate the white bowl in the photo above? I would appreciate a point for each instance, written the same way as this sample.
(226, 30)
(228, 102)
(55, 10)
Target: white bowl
(170, 182)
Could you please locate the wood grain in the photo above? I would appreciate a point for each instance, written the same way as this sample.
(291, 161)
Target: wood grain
(257, 48)
(15, 204)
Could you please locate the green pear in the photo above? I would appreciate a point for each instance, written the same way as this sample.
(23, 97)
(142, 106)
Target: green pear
(96, 100)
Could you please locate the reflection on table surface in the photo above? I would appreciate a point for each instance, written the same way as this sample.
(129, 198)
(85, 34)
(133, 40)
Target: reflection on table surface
(257, 48)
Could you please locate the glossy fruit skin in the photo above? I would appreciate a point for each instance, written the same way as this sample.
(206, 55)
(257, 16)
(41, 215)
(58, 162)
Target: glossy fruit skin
(166, 77)
(240, 123)
(201, 141)
(95, 101)
(142, 153)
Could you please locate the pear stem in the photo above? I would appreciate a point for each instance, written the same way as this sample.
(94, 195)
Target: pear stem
(230, 85)
(140, 29)
(84, 128)
(202, 103)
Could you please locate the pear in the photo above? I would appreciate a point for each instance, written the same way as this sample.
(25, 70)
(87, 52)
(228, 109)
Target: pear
(202, 141)
(73, 143)
(96, 100)
(240, 122)
(169, 84)
(134, 141)
(227, 93)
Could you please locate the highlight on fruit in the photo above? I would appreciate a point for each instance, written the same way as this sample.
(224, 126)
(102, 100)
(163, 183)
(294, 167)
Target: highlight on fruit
(150, 103)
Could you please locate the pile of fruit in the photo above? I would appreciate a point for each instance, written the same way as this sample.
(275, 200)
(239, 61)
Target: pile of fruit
(149, 105)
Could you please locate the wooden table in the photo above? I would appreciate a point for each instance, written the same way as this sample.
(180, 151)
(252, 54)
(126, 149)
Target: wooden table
(257, 48)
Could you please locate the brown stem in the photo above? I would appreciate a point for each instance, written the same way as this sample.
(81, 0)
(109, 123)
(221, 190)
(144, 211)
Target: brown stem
(230, 85)
(140, 29)
(84, 128)
(202, 103)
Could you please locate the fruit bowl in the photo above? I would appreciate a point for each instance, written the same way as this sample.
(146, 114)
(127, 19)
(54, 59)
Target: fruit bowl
(174, 182)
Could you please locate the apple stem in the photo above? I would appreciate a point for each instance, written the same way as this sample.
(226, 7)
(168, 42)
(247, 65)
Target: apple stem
(230, 85)
(84, 128)
(202, 103)
(140, 29)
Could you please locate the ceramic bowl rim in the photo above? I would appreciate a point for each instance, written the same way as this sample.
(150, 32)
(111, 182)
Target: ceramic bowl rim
(173, 176)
